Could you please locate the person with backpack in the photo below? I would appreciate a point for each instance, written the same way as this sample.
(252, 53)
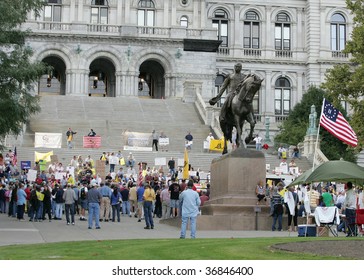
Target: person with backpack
(83, 201)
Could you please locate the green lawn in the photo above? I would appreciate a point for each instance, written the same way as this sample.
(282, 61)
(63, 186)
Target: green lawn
(161, 249)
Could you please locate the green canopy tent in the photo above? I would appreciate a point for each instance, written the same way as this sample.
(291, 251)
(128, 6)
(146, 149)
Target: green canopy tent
(332, 171)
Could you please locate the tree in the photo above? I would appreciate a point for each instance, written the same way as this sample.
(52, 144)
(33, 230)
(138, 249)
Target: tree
(294, 129)
(345, 82)
(17, 72)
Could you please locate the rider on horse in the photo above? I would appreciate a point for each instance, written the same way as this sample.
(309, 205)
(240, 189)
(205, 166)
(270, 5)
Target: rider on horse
(232, 81)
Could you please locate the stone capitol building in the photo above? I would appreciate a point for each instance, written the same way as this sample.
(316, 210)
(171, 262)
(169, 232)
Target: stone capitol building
(184, 49)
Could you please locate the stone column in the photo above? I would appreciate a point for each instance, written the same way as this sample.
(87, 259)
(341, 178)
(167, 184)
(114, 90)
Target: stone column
(195, 13)
(127, 11)
(236, 29)
(166, 14)
(119, 12)
(173, 14)
(203, 14)
(80, 11)
(72, 11)
(118, 83)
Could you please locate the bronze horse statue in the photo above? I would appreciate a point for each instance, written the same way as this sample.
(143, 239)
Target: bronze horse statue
(240, 109)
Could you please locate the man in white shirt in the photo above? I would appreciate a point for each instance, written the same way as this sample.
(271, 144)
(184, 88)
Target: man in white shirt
(258, 142)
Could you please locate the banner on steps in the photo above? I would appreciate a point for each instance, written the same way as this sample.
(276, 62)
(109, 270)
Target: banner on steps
(91, 141)
(48, 140)
(137, 141)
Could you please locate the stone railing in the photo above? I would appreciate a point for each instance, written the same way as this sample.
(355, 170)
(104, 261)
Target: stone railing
(119, 30)
(339, 54)
(285, 54)
(320, 157)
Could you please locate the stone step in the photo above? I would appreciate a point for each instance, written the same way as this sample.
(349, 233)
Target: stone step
(111, 118)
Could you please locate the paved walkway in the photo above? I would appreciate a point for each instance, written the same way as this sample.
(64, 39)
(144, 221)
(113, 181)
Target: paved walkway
(14, 232)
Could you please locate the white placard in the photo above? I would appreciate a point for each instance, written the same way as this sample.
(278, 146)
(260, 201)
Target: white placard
(267, 166)
(160, 161)
(59, 175)
(31, 175)
(113, 160)
(71, 171)
(132, 148)
(181, 162)
(163, 141)
(48, 140)
(206, 145)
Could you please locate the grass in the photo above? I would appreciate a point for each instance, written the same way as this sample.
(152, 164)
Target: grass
(161, 249)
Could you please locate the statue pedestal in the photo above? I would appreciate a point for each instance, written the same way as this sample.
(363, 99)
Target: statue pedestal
(232, 204)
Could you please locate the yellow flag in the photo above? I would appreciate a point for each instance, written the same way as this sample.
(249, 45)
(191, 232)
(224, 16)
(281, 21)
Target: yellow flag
(217, 145)
(185, 165)
(43, 156)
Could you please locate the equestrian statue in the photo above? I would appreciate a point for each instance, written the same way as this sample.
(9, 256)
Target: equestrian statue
(238, 106)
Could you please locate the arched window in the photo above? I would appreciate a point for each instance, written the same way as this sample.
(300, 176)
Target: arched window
(184, 21)
(99, 12)
(146, 11)
(220, 21)
(52, 10)
(282, 32)
(251, 30)
(338, 32)
(282, 97)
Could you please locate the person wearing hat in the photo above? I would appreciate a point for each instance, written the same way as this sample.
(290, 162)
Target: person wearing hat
(190, 209)
(208, 141)
(94, 199)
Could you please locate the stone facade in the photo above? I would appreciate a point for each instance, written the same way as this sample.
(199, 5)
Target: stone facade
(122, 48)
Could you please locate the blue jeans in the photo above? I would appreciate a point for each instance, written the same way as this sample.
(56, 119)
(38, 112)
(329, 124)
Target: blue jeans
(115, 211)
(126, 207)
(275, 218)
(93, 212)
(258, 146)
(148, 213)
(59, 208)
(192, 224)
(2, 206)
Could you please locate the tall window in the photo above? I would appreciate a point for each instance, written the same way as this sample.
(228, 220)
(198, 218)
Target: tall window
(282, 32)
(220, 22)
(282, 97)
(99, 12)
(338, 32)
(146, 11)
(52, 10)
(251, 30)
(184, 21)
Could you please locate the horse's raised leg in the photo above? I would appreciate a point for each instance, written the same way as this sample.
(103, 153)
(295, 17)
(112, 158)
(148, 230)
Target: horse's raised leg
(250, 119)
(239, 127)
(225, 147)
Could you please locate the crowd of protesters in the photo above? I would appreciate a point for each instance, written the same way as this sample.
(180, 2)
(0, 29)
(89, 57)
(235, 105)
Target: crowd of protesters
(82, 192)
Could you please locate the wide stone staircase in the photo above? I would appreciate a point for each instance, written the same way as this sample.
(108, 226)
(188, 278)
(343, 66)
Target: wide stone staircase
(112, 118)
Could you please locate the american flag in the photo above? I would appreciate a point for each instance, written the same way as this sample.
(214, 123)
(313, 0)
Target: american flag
(334, 122)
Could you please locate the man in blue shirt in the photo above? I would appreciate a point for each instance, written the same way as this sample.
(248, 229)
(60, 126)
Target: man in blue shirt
(190, 209)
(105, 192)
(21, 200)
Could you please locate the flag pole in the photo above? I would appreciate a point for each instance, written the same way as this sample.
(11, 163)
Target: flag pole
(317, 136)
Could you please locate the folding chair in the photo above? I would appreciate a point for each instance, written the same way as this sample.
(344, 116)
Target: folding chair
(328, 217)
